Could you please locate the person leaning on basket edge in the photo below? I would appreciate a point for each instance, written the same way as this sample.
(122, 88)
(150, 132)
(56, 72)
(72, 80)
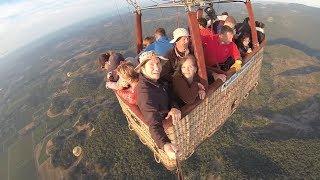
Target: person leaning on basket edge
(155, 100)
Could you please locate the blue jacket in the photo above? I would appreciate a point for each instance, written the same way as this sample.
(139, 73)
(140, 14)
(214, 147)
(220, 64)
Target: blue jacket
(161, 46)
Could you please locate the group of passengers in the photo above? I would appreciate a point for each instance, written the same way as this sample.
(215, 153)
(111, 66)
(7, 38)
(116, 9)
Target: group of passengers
(164, 78)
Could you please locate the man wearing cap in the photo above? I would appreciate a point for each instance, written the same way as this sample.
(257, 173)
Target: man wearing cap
(220, 51)
(155, 100)
(162, 45)
(180, 49)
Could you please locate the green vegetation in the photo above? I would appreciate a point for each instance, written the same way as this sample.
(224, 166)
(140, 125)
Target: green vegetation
(54, 123)
(21, 162)
(78, 105)
(4, 164)
(297, 157)
(59, 104)
(62, 155)
(119, 150)
(55, 82)
(39, 133)
(43, 156)
(84, 86)
(27, 172)
(255, 123)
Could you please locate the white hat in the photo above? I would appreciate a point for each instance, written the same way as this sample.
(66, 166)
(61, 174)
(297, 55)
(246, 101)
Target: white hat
(222, 17)
(145, 57)
(179, 32)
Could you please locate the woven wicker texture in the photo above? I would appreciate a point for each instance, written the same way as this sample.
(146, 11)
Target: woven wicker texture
(142, 130)
(211, 114)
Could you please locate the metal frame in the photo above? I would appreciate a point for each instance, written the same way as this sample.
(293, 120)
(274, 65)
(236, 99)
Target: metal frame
(194, 3)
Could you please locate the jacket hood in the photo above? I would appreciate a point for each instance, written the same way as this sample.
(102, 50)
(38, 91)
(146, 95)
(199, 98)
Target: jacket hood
(163, 39)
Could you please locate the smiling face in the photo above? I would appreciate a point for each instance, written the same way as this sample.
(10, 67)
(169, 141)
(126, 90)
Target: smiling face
(183, 42)
(246, 41)
(152, 68)
(226, 37)
(157, 36)
(123, 82)
(188, 68)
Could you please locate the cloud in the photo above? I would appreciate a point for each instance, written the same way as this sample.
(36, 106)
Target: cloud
(24, 21)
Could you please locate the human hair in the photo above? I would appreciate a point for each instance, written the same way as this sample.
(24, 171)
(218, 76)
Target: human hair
(184, 59)
(103, 58)
(161, 31)
(179, 38)
(247, 19)
(126, 70)
(225, 13)
(110, 53)
(230, 20)
(244, 36)
(202, 22)
(148, 40)
(259, 24)
(225, 30)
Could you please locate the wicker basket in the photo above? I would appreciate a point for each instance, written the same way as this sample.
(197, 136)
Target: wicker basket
(205, 119)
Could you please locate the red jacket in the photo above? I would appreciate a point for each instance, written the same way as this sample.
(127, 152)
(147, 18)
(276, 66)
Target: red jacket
(205, 32)
(216, 52)
(130, 95)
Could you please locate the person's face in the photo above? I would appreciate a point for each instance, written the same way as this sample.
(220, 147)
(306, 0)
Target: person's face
(157, 36)
(188, 69)
(107, 64)
(112, 76)
(227, 37)
(152, 68)
(183, 42)
(145, 44)
(246, 41)
(123, 82)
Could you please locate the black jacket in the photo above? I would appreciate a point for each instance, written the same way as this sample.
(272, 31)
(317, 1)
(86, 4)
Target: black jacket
(155, 101)
(243, 50)
(171, 65)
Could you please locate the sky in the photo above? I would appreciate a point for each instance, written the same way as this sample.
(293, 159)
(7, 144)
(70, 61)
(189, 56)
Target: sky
(23, 21)
(313, 3)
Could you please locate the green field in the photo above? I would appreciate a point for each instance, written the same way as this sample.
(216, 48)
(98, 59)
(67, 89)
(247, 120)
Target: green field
(43, 156)
(39, 133)
(3, 165)
(21, 163)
